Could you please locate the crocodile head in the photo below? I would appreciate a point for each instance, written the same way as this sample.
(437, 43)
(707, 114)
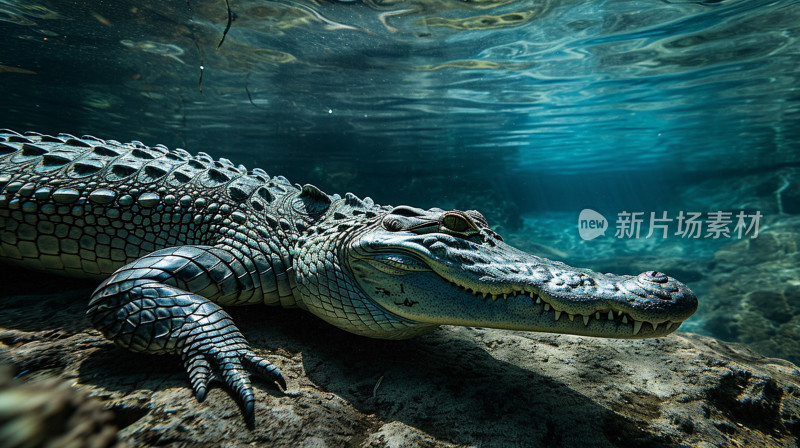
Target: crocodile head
(411, 270)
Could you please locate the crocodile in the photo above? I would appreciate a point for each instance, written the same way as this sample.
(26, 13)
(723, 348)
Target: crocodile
(173, 237)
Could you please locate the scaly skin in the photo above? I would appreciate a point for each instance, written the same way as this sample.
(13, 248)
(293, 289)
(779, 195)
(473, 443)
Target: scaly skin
(174, 237)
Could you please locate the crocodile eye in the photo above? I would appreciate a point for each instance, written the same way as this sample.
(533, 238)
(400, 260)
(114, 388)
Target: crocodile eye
(392, 224)
(477, 218)
(456, 223)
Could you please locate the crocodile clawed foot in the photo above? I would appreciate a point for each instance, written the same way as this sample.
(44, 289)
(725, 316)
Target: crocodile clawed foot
(217, 350)
(140, 309)
(231, 364)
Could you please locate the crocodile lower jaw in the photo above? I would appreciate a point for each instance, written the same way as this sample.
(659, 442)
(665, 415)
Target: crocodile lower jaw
(606, 322)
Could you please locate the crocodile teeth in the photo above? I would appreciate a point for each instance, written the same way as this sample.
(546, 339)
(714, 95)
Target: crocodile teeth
(637, 325)
(558, 314)
(505, 296)
(586, 320)
(655, 325)
(624, 319)
(547, 307)
(597, 315)
(571, 317)
(533, 295)
(669, 325)
(538, 300)
(610, 315)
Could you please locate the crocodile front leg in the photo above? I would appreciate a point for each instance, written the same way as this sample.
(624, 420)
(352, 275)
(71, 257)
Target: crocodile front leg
(164, 303)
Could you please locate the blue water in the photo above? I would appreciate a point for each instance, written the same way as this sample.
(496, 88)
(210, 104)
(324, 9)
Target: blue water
(530, 111)
(660, 90)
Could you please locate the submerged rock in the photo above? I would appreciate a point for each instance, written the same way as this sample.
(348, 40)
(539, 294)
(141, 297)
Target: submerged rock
(454, 387)
(771, 193)
(47, 411)
(755, 290)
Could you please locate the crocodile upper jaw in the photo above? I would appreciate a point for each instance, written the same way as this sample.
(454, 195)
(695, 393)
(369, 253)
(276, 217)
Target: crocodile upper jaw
(435, 279)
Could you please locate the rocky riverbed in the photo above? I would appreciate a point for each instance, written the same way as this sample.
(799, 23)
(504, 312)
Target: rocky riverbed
(454, 387)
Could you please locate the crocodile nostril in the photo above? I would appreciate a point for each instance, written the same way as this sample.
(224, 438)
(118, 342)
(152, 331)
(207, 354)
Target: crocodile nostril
(654, 277)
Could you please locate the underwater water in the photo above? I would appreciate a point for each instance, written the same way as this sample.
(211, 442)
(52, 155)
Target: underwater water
(529, 111)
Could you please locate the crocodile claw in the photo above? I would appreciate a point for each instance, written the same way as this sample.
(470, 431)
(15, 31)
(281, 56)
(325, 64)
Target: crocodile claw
(232, 365)
(215, 349)
(200, 373)
(262, 368)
